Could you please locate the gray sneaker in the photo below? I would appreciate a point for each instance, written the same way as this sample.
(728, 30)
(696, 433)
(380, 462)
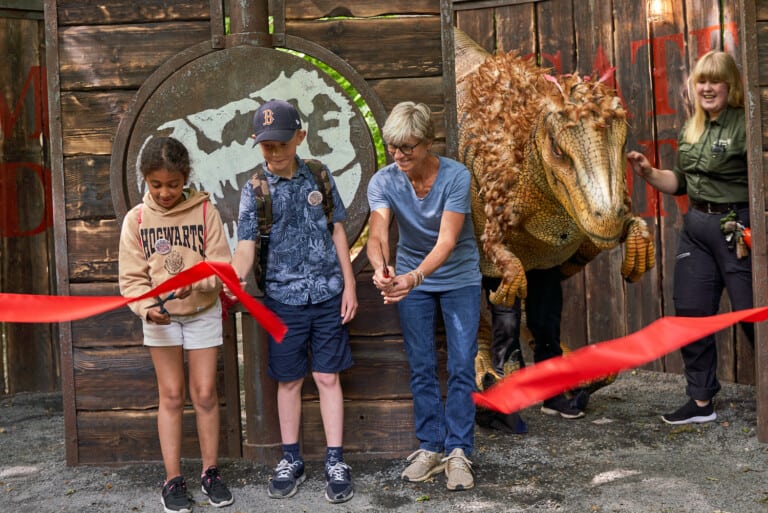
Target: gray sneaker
(424, 464)
(458, 470)
(286, 478)
(338, 483)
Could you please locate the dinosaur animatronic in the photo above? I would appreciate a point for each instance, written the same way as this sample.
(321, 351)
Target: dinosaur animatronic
(547, 156)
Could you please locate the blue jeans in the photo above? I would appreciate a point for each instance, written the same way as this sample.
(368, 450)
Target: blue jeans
(442, 426)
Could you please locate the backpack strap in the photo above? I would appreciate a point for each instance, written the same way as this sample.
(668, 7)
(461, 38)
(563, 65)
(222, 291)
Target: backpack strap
(263, 199)
(320, 174)
(264, 213)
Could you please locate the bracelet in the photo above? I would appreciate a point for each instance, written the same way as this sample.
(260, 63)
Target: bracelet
(418, 277)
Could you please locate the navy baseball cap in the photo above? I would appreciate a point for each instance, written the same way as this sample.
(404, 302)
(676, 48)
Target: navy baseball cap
(276, 120)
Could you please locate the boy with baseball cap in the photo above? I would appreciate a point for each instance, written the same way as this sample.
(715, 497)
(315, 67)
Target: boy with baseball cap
(309, 283)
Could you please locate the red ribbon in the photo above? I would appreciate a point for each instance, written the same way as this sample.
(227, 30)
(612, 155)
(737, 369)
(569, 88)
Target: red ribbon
(40, 308)
(546, 379)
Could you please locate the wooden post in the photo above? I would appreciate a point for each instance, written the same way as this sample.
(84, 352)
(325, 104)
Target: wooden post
(750, 62)
(262, 429)
(249, 17)
(262, 432)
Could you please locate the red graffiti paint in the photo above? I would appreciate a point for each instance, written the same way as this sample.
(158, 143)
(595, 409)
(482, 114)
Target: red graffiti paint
(36, 80)
(16, 178)
(10, 222)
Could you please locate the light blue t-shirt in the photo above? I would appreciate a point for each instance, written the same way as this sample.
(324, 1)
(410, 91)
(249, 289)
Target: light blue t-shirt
(418, 222)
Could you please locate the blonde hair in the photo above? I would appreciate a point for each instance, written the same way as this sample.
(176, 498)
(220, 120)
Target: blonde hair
(714, 66)
(408, 119)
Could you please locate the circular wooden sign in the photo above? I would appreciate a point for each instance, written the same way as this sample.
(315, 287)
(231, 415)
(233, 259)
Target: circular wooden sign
(206, 99)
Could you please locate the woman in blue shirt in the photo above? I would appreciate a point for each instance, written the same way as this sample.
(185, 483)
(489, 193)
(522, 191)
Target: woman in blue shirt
(437, 269)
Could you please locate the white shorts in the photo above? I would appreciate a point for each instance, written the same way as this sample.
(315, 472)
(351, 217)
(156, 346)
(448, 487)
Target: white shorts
(197, 331)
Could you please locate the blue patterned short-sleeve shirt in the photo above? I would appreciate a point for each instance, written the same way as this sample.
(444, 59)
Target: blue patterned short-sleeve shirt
(302, 265)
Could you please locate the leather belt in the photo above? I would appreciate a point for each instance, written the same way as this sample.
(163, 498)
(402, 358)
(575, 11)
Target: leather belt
(717, 208)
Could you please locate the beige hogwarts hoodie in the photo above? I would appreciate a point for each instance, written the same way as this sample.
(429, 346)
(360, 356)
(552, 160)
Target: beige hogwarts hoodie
(157, 243)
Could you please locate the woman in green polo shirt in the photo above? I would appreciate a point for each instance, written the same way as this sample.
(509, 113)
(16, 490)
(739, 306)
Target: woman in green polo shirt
(711, 168)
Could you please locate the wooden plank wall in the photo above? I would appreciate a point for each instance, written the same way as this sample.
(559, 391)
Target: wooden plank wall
(652, 62)
(98, 59)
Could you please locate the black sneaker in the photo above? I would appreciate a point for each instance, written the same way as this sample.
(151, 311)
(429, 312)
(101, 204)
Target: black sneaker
(338, 483)
(691, 412)
(215, 489)
(579, 399)
(286, 479)
(561, 405)
(174, 496)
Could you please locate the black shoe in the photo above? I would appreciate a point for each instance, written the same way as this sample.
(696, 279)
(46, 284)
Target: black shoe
(507, 422)
(691, 412)
(561, 405)
(338, 483)
(174, 496)
(215, 489)
(580, 399)
(286, 478)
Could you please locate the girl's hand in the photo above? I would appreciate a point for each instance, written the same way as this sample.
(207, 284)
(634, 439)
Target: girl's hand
(158, 316)
(182, 292)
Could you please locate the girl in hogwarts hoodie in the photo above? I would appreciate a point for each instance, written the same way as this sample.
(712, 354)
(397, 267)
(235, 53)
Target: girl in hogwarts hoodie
(171, 230)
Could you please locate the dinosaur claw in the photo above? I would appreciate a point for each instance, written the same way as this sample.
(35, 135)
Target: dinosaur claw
(507, 293)
(639, 254)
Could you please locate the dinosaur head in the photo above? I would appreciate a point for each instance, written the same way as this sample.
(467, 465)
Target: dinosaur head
(563, 136)
(578, 142)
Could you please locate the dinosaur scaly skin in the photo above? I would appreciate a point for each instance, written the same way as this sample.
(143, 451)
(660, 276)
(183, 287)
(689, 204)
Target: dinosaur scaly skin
(547, 157)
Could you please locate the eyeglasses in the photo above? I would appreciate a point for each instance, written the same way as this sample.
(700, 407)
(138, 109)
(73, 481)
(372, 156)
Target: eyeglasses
(405, 149)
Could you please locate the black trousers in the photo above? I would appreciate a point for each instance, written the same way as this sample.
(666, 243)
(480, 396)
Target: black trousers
(543, 312)
(505, 328)
(704, 266)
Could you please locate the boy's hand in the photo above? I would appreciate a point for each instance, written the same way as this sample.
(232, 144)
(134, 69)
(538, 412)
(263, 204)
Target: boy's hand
(348, 304)
(227, 292)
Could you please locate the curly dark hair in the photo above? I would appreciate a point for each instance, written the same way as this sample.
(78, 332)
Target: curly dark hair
(165, 153)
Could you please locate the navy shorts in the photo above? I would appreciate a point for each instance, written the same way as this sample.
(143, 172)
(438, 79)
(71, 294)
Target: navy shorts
(312, 329)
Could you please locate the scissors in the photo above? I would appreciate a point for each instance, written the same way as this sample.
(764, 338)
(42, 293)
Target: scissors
(385, 271)
(161, 303)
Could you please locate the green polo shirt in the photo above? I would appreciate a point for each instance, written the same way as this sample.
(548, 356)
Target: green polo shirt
(714, 169)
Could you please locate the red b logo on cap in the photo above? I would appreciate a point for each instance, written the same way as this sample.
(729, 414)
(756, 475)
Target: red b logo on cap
(269, 117)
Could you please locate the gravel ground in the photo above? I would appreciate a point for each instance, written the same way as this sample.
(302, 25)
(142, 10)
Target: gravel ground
(619, 458)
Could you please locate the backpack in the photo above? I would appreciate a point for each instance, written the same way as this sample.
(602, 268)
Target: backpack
(264, 208)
